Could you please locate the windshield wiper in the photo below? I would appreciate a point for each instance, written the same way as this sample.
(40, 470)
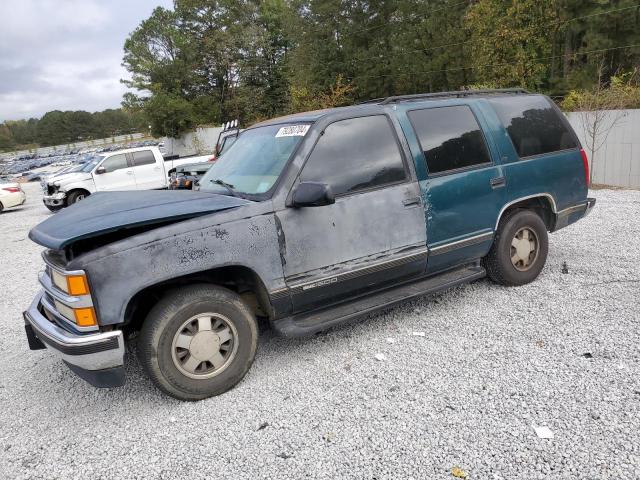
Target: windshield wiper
(230, 188)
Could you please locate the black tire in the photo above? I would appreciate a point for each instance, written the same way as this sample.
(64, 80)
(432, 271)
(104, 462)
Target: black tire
(54, 208)
(156, 344)
(1, 207)
(498, 263)
(76, 196)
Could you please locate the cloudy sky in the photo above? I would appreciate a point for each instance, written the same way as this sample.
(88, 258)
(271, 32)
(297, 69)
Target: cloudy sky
(65, 54)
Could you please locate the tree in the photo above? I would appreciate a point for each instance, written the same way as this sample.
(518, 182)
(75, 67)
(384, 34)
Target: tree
(602, 108)
(509, 39)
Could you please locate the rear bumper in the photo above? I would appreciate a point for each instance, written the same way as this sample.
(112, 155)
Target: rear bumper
(574, 213)
(14, 199)
(591, 202)
(96, 357)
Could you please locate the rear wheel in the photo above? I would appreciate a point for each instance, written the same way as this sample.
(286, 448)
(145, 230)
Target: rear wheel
(198, 341)
(75, 197)
(1, 207)
(519, 250)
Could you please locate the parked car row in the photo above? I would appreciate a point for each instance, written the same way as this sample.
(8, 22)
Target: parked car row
(24, 163)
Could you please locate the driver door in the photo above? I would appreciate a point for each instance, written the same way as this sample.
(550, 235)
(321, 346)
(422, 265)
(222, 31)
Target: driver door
(373, 235)
(118, 174)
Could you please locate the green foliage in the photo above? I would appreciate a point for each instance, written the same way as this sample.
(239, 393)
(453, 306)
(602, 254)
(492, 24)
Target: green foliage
(622, 92)
(338, 94)
(57, 127)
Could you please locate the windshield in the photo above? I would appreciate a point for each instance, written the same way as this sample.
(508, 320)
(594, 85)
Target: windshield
(88, 165)
(226, 143)
(255, 160)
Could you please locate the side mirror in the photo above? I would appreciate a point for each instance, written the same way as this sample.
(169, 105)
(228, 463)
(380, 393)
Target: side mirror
(312, 194)
(100, 170)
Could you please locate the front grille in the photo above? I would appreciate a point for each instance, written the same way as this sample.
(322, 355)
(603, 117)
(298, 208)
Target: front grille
(51, 189)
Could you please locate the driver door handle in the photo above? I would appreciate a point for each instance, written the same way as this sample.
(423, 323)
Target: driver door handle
(409, 202)
(498, 182)
(129, 172)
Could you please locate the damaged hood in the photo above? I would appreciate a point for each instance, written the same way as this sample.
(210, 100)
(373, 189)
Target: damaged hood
(64, 178)
(107, 212)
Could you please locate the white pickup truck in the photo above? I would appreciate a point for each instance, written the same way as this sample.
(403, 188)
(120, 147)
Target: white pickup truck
(141, 168)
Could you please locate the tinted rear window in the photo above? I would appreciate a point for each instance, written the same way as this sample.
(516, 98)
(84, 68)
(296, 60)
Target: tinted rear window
(143, 157)
(534, 125)
(450, 137)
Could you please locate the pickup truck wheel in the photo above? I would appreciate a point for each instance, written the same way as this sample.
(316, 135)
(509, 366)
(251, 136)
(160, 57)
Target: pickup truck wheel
(519, 250)
(75, 197)
(198, 341)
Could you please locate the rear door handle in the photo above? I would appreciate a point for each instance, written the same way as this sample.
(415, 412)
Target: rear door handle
(129, 172)
(411, 201)
(498, 182)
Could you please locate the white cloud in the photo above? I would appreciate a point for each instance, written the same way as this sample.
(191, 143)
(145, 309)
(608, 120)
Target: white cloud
(65, 54)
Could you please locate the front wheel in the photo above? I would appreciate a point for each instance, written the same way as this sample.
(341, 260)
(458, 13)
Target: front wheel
(75, 197)
(198, 341)
(519, 250)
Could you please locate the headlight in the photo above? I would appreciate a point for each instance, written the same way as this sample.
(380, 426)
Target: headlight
(71, 284)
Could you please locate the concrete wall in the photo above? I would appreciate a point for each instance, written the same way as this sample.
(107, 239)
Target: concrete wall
(617, 162)
(98, 142)
(200, 142)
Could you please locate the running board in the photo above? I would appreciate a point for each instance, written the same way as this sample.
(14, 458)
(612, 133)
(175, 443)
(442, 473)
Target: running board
(304, 324)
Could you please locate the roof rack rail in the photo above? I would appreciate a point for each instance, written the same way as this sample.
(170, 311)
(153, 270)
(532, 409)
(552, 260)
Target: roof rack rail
(456, 94)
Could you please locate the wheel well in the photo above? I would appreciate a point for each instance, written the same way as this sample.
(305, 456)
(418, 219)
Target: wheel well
(73, 190)
(239, 279)
(541, 205)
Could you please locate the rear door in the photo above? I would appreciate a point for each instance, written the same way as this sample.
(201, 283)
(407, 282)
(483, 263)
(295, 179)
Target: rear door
(464, 189)
(147, 171)
(118, 174)
(375, 232)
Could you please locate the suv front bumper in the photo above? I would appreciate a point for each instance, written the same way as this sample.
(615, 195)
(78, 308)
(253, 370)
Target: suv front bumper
(55, 200)
(97, 358)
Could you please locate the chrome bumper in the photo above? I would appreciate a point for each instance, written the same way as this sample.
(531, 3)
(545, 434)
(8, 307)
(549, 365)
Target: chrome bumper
(55, 200)
(92, 351)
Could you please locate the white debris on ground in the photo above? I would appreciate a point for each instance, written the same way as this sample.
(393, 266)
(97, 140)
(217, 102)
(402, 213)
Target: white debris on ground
(543, 432)
(560, 352)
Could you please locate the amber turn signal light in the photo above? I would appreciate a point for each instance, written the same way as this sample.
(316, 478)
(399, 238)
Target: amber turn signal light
(77, 285)
(85, 317)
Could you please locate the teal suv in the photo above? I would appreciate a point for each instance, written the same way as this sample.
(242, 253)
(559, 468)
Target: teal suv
(307, 221)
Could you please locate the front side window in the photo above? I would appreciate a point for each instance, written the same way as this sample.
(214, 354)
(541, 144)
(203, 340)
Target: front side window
(253, 163)
(115, 162)
(450, 137)
(534, 125)
(143, 157)
(356, 154)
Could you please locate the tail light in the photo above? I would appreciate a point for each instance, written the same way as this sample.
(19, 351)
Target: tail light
(12, 189)
(585, 163)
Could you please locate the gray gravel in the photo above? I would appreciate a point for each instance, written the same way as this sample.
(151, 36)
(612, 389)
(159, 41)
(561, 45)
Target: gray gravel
(562, 352)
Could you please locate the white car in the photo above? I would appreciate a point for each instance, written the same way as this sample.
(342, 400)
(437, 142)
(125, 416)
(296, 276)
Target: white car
(142, 168)
(11, 195)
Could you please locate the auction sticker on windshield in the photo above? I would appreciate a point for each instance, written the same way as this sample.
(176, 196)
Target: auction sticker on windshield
(293, 131)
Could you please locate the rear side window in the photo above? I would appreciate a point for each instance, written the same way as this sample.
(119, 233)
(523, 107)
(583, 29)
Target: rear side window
(356, 154)
(115, 162)
(534, 125)
(450, 137)
(143, 157)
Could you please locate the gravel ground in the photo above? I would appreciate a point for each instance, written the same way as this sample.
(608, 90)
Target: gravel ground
(494, 362)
